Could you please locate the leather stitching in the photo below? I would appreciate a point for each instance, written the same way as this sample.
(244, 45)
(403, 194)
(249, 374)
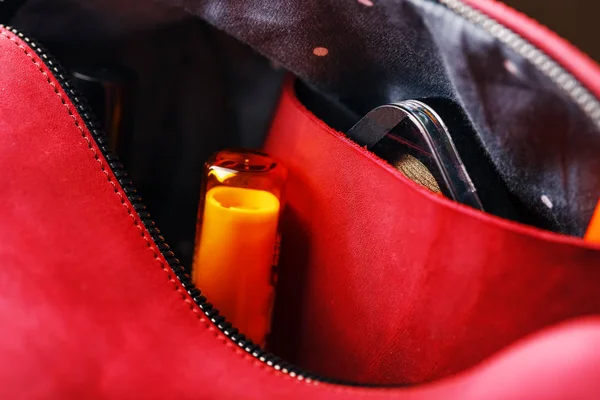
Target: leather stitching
(137, 223)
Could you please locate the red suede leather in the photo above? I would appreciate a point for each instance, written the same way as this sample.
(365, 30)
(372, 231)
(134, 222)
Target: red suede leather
(89, 308)
(400, 285)
(330, 291)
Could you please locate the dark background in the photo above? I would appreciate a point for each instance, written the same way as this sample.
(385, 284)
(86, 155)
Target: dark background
(575, 20)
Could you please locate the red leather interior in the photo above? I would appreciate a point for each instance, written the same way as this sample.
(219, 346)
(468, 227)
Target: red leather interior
(90, 309)
(429, 286)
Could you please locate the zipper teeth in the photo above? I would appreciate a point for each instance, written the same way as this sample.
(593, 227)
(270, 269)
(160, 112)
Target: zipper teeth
(118, 170)
(563, 79)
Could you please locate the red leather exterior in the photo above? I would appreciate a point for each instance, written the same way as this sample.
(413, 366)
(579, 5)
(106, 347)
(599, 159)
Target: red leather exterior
(89, 308)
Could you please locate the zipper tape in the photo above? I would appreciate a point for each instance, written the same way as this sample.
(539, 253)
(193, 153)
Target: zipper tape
(118, 170)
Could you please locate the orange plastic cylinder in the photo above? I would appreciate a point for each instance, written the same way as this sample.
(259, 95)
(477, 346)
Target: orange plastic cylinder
(593, 231)
(237, 237)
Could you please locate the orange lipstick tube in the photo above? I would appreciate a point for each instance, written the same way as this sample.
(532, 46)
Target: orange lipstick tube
(237, 236)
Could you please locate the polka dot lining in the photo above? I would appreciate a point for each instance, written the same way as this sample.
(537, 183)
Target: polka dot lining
(320, 51)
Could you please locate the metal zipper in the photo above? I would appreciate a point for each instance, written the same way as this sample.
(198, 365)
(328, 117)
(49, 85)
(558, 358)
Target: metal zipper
(567, 82)
(557, 74)
(118, 170)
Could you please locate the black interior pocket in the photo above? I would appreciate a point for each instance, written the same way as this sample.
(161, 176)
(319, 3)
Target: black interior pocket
(198, 91)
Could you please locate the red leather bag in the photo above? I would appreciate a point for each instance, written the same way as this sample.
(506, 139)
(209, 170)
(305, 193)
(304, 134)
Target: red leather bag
(403, 294)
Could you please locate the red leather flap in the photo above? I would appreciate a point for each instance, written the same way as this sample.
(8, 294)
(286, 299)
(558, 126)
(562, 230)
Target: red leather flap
(399, 285)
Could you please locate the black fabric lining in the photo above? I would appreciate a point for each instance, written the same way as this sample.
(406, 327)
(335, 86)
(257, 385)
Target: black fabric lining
(542, 143)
